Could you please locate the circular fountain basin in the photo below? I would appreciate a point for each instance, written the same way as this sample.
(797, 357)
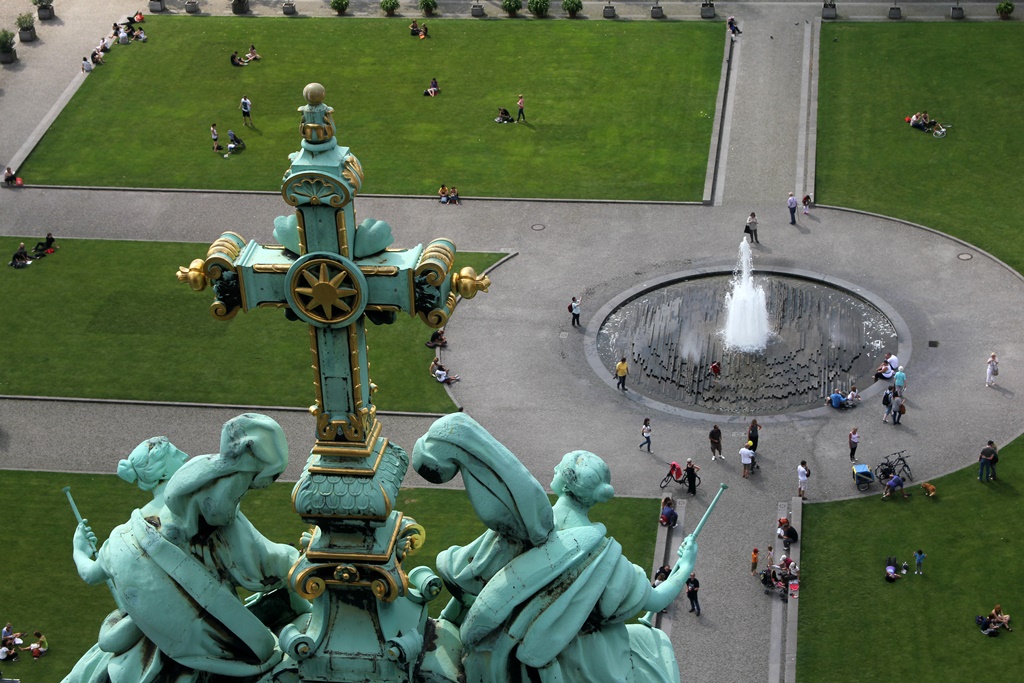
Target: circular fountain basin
(824, 334)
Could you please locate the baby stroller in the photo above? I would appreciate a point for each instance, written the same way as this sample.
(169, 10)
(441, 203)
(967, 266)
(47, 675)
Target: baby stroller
(235, 143)
(773, 580)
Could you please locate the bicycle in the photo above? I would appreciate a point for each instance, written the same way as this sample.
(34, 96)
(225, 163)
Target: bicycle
(939, 131)
(888, 467)
(680, 479)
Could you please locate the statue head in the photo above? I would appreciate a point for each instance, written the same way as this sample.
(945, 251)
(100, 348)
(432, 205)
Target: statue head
(584, 477)
(151, 463)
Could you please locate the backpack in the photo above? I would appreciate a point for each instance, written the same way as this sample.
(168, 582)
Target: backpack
(886, 399)
(570, 308)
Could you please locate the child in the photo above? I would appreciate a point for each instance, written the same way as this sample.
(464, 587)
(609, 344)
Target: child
(770, 560)
(807, 204)
(753, 562)
(919, 561)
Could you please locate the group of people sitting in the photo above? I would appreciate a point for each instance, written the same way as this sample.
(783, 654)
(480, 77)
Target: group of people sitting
(23, 259)
(250, 56)
(434, 90)
(441, 373)
(418, 31)
(11, 642)
(922, 121)
(446, 196)
(840, 402)
(995, 619)
(121, 33)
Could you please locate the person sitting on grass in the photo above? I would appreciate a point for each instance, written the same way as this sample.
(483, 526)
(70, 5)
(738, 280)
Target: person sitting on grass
(236, 60)
(437, 340)
(423, 31)
(453, 195)
(252, 55)
(20, 259)
(998, 619)
(46, 246)
(895, 482)
(39, 647)
(504, 116)
(917, 121)
(140, 36)
(414, 28)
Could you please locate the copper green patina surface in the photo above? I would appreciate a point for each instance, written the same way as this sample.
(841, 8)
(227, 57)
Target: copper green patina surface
(543, 594)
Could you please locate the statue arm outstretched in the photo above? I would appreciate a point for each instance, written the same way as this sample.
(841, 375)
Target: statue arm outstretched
(84, 550)
(663, 594)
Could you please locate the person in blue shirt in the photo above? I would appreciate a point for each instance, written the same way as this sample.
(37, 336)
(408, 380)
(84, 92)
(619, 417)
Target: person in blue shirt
(895, 483)
(836, 400)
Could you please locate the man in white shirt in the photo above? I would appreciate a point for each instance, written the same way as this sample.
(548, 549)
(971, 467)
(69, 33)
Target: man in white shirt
(802, 474)
(747, 457)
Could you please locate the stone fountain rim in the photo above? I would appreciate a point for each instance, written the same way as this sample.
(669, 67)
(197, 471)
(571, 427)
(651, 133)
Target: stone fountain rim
(904, 348)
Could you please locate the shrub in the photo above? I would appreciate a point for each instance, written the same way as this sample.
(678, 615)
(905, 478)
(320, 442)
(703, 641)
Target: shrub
(538, 8)
(25, 21)
(6, 41)
(339, 6)
(428, 6)
(1004, 9)
(389, 6)
(511, 6)
(43, 3)
(572, 7)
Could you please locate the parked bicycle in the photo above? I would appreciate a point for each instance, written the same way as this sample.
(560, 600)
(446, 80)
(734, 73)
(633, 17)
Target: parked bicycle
(894, 464)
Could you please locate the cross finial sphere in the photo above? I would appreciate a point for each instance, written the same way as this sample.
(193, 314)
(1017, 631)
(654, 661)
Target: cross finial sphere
(314, 93)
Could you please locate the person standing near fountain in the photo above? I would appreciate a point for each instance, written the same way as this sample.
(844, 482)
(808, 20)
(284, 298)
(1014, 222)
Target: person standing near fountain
(621, 370)
(751, 228)
(752, 435)
(715, 437)
(791, 203)
(747, 458)
(854, 440)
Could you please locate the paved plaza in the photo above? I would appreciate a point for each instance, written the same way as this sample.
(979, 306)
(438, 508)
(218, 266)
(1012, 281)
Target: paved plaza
(536, 391)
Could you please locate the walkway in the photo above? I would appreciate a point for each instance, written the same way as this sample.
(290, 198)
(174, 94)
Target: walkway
(536, 392)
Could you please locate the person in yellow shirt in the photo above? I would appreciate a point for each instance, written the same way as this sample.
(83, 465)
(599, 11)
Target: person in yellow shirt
(621, 370)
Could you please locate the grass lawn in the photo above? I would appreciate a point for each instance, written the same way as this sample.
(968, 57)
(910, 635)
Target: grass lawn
(140, 334)
(874, 75)
(43, 591)
(853, 623)
(596, 129)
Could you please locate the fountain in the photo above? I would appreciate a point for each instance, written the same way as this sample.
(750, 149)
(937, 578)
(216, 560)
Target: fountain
(746, 309)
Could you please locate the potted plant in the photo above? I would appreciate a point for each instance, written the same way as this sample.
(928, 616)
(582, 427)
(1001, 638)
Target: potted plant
(389, 7)
(428, 7)
(44, 8)
(157, 5)
(828, 10)
(339, 6)
(192, 6)
(572, 7)
(239, 6)
(7, 52)
(288, 7)
(26, 27)
(511, 6)
(707, 10)
(538, 8)
(1004, 9)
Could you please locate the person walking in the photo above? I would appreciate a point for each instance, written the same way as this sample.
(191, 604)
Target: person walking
(692, 586)
(898, 409)
(791, 203)
(803, 473)
(752, 435)
(746, 457)
(521, 115)
(853, 439)
(690, 477)
(992, 370)
(645, 432)
(213, 134)
(246, 106)
(985, 463)
(887, 402)
(574, 310)
(751, 228)
(621, 370)
(715, 437)
(900, 381)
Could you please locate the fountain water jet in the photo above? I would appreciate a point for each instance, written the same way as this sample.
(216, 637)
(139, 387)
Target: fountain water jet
(746, 308)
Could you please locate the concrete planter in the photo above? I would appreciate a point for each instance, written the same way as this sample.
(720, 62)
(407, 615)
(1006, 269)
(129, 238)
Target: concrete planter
(289, 8)
(707, 10)
(239, 6)
(45, 12)
(895, 13)
(609, 11)
(192, 6)
(9, 57)
(157, 6)
(956, 12)
(477, 10)
(26, 35)
(828, 12)
(657, 12)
